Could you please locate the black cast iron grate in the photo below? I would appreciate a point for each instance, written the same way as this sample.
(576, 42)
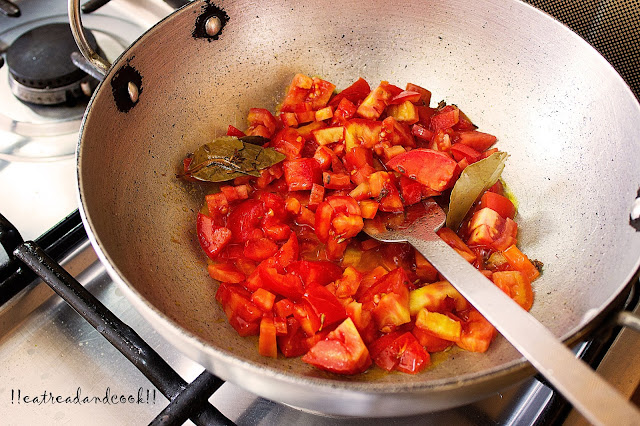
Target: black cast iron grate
(187, 401)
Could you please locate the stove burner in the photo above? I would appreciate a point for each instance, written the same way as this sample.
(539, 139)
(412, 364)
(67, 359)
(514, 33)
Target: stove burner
(40, 66)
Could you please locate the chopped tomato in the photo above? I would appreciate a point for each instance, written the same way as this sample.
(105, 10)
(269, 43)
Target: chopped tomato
(430, 342)
(343, 351)
(488, 229)
(225, 272)
(440, 325)
(405, 112)
(263, 299)
(461, 152)
(244, 219)
(451, 238)
(344, 111)
(498, 203)
(233, 131)
(302, 173)
(286, 248)
(518, 285)
(212, 238)
(262, 117)
(328, 135)
(363, 132)
(520, 262)
(377, 100)
(320, 272)
(440, 296)
(425, 95)
(325, 304)
(388, 300)
(445, 118)
(267, 345)
(396, 132)
(400, 351)
(476, 140)
(289, 142)
(354, 93)
(477, 333)
(431, 168)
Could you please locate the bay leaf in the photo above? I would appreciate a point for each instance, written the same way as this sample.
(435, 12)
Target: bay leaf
(228, 157)
(474, 180)
(254, 139)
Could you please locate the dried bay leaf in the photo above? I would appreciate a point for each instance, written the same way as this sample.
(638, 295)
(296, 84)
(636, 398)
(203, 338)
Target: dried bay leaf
(474, 180)
(229, 157)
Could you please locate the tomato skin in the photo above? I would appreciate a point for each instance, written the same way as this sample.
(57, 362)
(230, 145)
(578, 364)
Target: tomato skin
(451, 238)
(406, 95)
(244, 218)
(233, 131)
(261, 116)
(399, 351)
(354, 93)
(289, 286)
(518, 286)
(476, 140)
(300, 174)
(212, 238)
(342, 352)
(520, 262)
(431, 168)
(320, 272)
(325, 304)
(461, 151)
(425, 95)
(288, 142)
(344, 111)
(488, 229)
(430, 342)
(498, 203)
(422, 133)
(445, 118)
(411, 190)
(388, 300)
(477, 333)
(225, 272)
(294, 343)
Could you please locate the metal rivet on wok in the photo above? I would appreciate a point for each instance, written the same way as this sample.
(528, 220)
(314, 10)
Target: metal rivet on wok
(635, 209)
(212, 26)
(133, 92)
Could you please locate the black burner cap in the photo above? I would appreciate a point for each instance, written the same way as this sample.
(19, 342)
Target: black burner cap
(41, 57)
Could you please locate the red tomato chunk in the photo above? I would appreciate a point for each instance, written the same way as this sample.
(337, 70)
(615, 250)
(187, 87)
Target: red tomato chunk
(287, 250)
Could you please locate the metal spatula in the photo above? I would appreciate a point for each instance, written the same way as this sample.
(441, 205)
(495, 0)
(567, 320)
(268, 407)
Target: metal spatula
(598, 401)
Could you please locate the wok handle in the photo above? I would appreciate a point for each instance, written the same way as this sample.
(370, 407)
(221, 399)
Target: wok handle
(98, 62)
(629, 320)
(596, 399)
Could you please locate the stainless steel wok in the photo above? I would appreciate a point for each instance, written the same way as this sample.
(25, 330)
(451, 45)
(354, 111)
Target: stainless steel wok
(568, 121)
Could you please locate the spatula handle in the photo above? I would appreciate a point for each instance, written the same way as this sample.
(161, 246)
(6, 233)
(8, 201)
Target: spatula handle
(596, 399)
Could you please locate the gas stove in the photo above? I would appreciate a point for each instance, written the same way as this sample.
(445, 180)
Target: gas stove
(56, 368)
